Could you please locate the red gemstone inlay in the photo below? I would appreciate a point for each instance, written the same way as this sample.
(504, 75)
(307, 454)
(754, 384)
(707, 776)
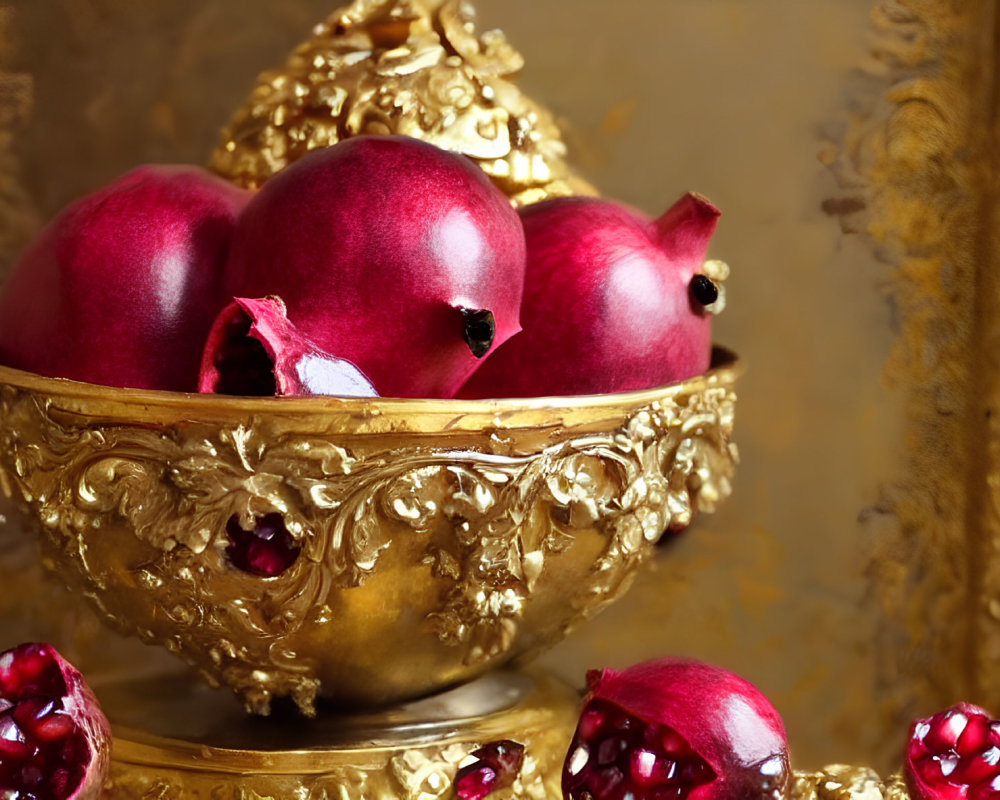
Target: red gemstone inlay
(268, 550)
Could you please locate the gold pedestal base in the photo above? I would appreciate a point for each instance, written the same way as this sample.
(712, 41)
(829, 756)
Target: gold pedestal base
(174, 740)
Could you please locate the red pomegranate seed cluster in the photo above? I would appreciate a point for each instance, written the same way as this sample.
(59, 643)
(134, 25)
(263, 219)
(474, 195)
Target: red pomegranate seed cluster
(43, 753)
(615, 754)
(268, 550)
(955, 755)
(497, 765)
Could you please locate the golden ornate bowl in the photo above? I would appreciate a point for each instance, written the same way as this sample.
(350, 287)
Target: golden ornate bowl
(438, 538)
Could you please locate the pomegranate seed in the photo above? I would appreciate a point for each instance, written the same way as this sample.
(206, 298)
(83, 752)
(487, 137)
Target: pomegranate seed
(32, 709)
(944, 735)
(609, 750)
(54, 727)
(643, 766)
(981, 767)
(13, 745)
(985, 791)
(974, 738)
(605, 782)
(496, 766)
(474, 784)
(591, 722)
(673, 742)
(59, 781)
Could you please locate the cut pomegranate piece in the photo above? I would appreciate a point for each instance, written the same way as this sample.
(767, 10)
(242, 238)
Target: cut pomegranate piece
(268, 550)
(675, 729)
(54, 741)
(252, 349)
(389, 252)
(496, 766)
(954, 755)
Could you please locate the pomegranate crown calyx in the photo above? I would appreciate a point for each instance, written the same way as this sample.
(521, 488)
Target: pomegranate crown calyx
(684, 229)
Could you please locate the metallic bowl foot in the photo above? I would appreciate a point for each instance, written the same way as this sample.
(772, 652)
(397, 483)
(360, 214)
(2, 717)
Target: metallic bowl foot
(173, 740)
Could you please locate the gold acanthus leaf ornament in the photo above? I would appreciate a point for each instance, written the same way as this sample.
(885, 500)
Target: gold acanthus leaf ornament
(411, 67)
(436, 539)
(847, 782)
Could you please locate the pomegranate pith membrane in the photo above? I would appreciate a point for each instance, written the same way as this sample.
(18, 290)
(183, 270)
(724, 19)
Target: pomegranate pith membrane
(253, 349)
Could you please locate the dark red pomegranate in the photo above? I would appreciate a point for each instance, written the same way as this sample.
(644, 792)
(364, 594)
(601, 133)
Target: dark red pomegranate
(496, 766)
(55, 743)
(121, 287)
(675, 729)
(954, 755)
(252, 349)
(388, 252)
(613, 301)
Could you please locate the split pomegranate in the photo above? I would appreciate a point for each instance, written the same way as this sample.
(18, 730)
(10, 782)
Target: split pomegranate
(54, 741)
(388, 252)
(613, 301)
(954, 755)
(121, 287)
(673, 728)
(252, 349)
(496, 766)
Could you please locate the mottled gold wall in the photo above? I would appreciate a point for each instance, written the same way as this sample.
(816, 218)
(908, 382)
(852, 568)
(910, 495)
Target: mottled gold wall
(844, 142)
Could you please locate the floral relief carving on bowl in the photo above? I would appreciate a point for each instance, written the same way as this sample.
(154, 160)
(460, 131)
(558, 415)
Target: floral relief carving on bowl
(459, 540)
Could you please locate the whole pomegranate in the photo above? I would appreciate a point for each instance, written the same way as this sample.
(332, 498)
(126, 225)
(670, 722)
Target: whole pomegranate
(679, 729)
(252, 349)
(954, 755)
(55, 743)
(121, 287)
(388, 252)
(613, 301)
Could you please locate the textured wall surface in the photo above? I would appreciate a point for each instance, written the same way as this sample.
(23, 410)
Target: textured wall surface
(838, 137)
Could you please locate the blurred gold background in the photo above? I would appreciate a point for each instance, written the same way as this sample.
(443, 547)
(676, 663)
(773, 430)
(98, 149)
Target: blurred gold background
(849, 145)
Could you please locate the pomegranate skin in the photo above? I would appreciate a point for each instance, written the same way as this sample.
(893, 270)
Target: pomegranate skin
(607, 302)
(282, 363)
(55, 742)
(377, 245)
(954, 755)
(679, 728)
(121, 287)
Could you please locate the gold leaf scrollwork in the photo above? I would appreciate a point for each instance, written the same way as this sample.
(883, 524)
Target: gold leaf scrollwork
(412, 67)
(136, 515)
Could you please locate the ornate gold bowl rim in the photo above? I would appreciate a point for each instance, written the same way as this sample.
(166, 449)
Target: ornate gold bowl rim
(367, 415)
